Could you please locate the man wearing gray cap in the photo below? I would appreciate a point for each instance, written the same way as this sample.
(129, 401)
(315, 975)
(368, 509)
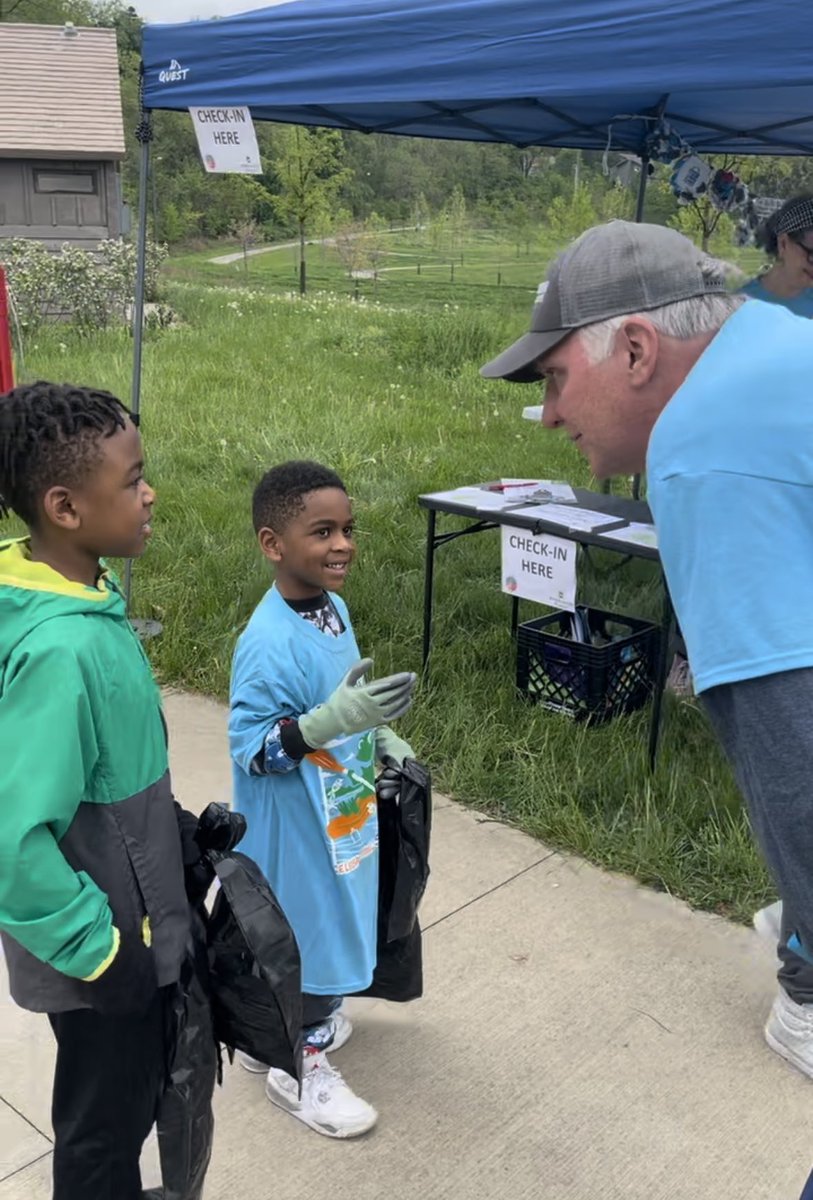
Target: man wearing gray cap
(650, 363)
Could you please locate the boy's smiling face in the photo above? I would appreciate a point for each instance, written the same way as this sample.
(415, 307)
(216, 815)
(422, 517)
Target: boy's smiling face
(314, 550)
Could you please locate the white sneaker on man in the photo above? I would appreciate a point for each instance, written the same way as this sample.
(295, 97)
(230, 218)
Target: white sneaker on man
(342, 1029)
(327, 1104)
(789, 1031)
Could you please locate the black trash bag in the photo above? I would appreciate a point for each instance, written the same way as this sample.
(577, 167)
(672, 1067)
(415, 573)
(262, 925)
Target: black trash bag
(404, 828)
(398, 972)
(404, 831)
(185, 1121)
(255, 969)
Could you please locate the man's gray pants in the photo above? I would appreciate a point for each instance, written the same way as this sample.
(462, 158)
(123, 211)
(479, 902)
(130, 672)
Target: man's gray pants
(765, 727)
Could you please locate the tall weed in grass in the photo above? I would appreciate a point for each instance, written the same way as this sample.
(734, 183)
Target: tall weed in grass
(391, 398)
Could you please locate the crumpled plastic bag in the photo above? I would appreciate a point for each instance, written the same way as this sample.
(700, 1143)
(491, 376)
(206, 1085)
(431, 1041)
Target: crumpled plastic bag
(404, 831)
(185, 1121)
(255, 969)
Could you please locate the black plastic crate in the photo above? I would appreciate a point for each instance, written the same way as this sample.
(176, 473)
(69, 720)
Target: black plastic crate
(587, 682)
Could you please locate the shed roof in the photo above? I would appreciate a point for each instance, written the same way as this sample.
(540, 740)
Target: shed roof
(59, 92)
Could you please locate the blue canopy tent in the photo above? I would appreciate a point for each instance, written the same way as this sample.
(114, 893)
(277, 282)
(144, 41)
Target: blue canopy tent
(729, 75)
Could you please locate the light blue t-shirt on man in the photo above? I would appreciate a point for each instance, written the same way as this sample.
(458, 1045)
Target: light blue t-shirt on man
(730, 485)
(314, 830)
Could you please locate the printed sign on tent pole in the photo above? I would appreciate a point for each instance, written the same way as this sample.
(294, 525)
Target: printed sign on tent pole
(227, 140)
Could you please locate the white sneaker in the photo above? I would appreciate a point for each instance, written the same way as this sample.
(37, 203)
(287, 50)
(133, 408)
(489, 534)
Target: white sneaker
(342, 1029)
(768, 922)
(789, 1031)
(327, 1103)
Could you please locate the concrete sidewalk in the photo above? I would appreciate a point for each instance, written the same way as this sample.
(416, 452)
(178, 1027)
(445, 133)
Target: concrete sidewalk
(580, 1039)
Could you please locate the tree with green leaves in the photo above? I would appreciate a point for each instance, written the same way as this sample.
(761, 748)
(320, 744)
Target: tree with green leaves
(567, 218)
(307, 166)
(458, 217)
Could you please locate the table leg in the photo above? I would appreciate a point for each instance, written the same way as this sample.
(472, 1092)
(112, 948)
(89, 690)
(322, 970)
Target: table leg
(428, 584)
(660, 676)
(514, 616)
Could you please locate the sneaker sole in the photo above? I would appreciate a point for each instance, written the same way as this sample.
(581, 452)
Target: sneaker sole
(788, 1055)
(352, 1131)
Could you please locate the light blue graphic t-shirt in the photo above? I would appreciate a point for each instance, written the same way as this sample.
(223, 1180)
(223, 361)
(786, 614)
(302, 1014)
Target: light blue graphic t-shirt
(801, 305)
(313, 830)
(730, 485)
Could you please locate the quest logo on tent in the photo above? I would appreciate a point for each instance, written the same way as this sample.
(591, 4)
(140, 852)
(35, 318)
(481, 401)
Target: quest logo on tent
(173, 73)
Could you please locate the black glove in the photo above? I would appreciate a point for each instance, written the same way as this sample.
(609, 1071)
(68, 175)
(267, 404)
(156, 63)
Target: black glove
(219, 829)
(128, 986)
(388, 784)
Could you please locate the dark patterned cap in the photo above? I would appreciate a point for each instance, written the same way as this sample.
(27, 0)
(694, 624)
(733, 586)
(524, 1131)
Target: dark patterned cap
(794, 217)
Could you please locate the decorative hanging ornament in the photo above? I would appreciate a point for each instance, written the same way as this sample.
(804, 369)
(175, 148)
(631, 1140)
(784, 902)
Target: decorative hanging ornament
(690, 178)
(727, 192)
(663, 144)
(748, 223)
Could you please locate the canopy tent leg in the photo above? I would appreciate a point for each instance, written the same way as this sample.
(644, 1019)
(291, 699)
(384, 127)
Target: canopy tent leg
(144, 136)
(639, 216)
(639, 203)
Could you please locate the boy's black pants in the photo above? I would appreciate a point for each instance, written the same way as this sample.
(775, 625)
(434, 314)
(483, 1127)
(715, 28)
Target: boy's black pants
(110, 1073)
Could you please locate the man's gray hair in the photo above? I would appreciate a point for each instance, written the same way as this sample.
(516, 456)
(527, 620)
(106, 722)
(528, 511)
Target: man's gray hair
(684, 319)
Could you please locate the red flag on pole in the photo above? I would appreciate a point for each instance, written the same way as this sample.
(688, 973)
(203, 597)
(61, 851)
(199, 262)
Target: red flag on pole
(6, 361)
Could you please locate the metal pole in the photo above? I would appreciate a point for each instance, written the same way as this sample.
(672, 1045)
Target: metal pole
(639, 203)
(144, 137)
(428, 579)
(141, 274)
(639, 216)
(664, 634)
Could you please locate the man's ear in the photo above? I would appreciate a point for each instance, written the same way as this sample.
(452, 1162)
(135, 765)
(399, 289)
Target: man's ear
(270, 544)
(58, 508)
(638, 338)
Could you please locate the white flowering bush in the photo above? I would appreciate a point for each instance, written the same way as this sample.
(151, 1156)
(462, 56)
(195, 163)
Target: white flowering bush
(92, 291)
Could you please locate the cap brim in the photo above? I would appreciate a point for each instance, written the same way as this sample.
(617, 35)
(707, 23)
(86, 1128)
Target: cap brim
(517, 364)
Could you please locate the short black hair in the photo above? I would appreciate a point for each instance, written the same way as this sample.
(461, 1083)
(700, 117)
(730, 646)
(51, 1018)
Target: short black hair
(281, 492)
(49, 435)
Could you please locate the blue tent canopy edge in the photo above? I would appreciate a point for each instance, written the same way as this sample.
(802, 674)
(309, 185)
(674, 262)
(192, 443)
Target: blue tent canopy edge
(727, 74)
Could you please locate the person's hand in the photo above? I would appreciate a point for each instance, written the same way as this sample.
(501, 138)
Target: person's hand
(129, 984)
(389, 745)
(219, 830)
(388, 784)
(356, 707)
(391, 751)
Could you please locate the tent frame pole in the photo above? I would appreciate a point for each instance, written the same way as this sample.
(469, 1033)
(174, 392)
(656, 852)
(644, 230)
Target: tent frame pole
(144, 137)
(641, 198)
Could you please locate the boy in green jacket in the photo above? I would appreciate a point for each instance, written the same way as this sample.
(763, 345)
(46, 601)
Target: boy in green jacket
(93, 908)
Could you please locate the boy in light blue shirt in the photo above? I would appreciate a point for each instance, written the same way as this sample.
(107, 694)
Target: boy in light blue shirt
(305, 731)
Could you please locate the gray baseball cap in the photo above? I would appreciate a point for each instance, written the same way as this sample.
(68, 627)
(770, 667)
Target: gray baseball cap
(611, 270)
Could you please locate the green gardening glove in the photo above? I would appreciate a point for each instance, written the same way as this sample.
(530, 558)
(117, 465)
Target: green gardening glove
(390, 745)
(356, 707)
(391, 751)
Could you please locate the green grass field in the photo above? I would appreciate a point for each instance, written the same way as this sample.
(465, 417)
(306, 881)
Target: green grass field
(387, 392)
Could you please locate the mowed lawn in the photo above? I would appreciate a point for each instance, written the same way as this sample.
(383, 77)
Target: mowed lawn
(387, 392)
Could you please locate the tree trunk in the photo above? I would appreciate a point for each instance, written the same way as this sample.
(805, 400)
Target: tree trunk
(302, 269)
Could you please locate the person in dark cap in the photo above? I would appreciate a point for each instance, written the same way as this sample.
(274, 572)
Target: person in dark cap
(787, 236)
(650, 363)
